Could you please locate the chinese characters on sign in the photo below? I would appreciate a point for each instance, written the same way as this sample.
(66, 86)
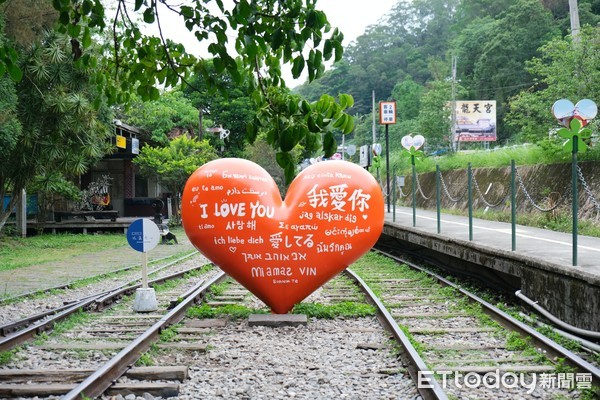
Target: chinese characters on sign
(475, 121)
(387, 112)
(282, 251)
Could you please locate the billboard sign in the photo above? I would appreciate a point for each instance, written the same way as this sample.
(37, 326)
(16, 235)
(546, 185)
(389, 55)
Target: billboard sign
(475, 121)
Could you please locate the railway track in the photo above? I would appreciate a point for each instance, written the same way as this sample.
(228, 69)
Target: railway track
(470, 347)
(452, 345)
(82, 343)
(65, 297)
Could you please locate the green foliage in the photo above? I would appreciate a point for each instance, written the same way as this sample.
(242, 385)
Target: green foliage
(267, 35)
(544, 153)
(171, 112)
(345, 309)
(408, 99)
(230, 107)
(16, 252)
(289, 121)
(7, 356)
(565, 70)
(145, 360)
(175, 163)
(58, 109)
(234, 311)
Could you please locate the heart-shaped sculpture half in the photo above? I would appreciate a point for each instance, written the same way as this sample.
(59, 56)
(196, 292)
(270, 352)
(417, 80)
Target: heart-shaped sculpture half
(282, 251)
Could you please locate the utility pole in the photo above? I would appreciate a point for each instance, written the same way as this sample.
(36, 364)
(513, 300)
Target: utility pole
(574, 16)
(455, 146)
(374, 138)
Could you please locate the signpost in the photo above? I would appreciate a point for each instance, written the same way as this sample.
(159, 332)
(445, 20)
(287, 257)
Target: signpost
(574, 118)
(387, 116)
(143, 235)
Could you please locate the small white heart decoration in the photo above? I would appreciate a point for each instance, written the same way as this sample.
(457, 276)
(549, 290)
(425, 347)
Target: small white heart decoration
(407, 142)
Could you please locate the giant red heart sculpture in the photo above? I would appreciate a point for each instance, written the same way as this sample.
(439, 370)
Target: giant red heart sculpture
(282, 251)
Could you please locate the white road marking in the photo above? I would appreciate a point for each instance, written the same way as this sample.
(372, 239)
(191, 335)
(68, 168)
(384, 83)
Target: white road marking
(506, 231)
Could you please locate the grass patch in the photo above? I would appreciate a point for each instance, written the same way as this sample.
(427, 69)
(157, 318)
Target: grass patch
(8, 356)
(547, 152)
(144, 361)
(234, 311)
(16, 252)
(345, 309)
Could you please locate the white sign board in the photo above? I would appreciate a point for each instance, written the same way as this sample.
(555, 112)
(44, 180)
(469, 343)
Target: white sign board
(387, 112)
(364, 156)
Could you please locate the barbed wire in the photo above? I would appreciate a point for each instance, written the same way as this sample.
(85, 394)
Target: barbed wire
(448, 193)
(564, 196)
(484, 200)
(587, 189)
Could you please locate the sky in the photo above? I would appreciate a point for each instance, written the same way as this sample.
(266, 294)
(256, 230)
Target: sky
(352, 17)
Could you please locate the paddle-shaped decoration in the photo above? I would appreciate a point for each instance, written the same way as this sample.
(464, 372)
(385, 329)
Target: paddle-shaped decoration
(282, 251)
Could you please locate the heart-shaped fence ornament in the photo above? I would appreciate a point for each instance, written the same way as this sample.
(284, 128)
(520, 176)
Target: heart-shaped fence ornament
(418, 141)
(282, 251)
(407, 142)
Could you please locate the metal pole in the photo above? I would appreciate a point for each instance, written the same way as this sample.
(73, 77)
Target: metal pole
(513, 204)
(438, 197)
(373, 112)
(144, 270)
(394, 195)
(470, 200)
(575, 197)
(387, 165)
(414, 190)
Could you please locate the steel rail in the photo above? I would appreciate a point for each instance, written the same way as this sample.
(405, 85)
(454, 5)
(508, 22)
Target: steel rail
(95, 301)
(69, 284)
(101, 380)
(427, 385)
(512, 323)
(129, 288)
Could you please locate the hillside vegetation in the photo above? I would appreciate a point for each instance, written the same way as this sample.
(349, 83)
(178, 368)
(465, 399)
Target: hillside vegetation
(519, 53)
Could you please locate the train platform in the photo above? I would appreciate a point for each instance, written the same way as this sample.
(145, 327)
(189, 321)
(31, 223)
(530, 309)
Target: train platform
(49, 275)
(541, 265)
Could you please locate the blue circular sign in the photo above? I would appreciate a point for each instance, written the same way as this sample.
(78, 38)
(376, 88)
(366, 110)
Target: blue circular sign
(143, 235)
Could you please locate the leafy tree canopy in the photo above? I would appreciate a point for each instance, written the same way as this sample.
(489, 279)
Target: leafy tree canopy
(171, 113)
(173, 164)
(265, 35)
(57, 108)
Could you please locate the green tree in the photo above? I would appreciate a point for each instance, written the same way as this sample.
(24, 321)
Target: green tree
(267, 34)
(230, 108)
(61, 129)
(172, 165)
(492, 53)
(564, 70)
(408, 99)
(171, 112)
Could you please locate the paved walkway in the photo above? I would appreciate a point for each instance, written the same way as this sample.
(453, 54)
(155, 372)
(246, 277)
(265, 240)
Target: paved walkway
(549, 246)
(52, 274)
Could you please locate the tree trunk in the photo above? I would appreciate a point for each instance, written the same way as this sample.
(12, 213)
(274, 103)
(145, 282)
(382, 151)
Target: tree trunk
(200, 123)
